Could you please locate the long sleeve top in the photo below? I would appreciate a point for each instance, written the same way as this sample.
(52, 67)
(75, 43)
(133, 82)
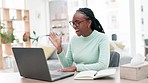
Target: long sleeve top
(87, 53)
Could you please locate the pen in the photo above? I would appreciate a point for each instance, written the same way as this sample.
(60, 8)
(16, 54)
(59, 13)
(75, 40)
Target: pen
(95, 74)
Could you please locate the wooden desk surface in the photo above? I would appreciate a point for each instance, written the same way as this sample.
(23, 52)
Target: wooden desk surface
(16, 78)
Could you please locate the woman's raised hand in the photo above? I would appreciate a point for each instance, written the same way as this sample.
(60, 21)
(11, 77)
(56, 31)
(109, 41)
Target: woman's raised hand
(56, 41)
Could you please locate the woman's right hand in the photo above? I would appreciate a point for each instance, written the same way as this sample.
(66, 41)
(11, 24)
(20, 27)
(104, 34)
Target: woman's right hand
(56, 41)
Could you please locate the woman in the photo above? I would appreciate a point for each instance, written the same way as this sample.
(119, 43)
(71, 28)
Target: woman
(89, 49)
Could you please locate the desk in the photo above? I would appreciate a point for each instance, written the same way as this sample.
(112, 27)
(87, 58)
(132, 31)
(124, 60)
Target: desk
(16, 78)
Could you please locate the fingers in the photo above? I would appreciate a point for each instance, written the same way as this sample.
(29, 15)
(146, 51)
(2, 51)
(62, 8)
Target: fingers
(61, 38)
(52, 35)
(68, 69)
(64, 70)
(60, 70)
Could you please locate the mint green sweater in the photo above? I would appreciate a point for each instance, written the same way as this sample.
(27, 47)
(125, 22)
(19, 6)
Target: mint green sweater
(87, 53)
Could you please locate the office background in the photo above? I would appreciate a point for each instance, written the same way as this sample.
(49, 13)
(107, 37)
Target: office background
(126, 18)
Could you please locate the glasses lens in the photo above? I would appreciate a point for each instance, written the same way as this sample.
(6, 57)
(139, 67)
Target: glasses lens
(73, 24)
(70, 22)
(76, 24)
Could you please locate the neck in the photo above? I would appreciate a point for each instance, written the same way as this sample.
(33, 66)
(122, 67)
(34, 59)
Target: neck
(88, 32)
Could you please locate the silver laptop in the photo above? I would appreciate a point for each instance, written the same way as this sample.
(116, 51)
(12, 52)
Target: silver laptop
(32, 64)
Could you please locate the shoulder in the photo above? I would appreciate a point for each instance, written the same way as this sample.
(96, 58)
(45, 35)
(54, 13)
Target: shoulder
(102, 38)
(102, 35)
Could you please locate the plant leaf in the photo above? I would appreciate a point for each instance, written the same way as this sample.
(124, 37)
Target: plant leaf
(34, 32)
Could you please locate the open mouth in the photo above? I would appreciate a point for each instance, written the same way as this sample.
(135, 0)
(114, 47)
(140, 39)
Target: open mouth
(77, 30)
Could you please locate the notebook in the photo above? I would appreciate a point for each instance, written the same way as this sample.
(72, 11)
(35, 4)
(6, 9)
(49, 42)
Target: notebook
(32, 64)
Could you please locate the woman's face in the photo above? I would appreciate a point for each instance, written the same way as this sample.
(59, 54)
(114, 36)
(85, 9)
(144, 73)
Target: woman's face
(81, 24)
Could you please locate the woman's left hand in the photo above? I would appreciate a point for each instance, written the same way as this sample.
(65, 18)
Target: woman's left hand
(68, 69)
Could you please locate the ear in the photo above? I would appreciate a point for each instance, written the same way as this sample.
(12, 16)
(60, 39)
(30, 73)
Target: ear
(89, 23)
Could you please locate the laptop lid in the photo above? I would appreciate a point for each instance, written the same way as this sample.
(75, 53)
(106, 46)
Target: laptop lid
(31, 63)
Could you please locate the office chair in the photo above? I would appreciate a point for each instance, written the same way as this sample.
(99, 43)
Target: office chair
(114, 59)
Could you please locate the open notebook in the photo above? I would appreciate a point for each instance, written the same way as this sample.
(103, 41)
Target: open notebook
(95, 74)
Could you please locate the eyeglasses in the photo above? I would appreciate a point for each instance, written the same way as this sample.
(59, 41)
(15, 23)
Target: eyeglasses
(76, 23)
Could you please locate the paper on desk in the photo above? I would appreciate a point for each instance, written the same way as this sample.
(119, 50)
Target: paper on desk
(138, 59)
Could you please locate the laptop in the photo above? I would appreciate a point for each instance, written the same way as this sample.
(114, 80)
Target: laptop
(32, 64)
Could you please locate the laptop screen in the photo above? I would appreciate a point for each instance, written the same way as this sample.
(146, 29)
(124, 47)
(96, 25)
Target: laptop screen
(32, 63)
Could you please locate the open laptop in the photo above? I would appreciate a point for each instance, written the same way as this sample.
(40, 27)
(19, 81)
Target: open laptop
(32, 64)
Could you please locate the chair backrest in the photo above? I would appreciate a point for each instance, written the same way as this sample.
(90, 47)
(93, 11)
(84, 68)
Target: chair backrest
(114, 59)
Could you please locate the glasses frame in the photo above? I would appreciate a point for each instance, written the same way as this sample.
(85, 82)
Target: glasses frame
(76, 24)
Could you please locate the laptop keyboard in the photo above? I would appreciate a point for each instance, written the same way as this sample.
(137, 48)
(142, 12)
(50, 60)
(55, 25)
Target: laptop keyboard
(54, 65)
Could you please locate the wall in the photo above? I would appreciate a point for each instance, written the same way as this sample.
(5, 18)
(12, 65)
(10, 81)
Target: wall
(99, 8)
(38, 21)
